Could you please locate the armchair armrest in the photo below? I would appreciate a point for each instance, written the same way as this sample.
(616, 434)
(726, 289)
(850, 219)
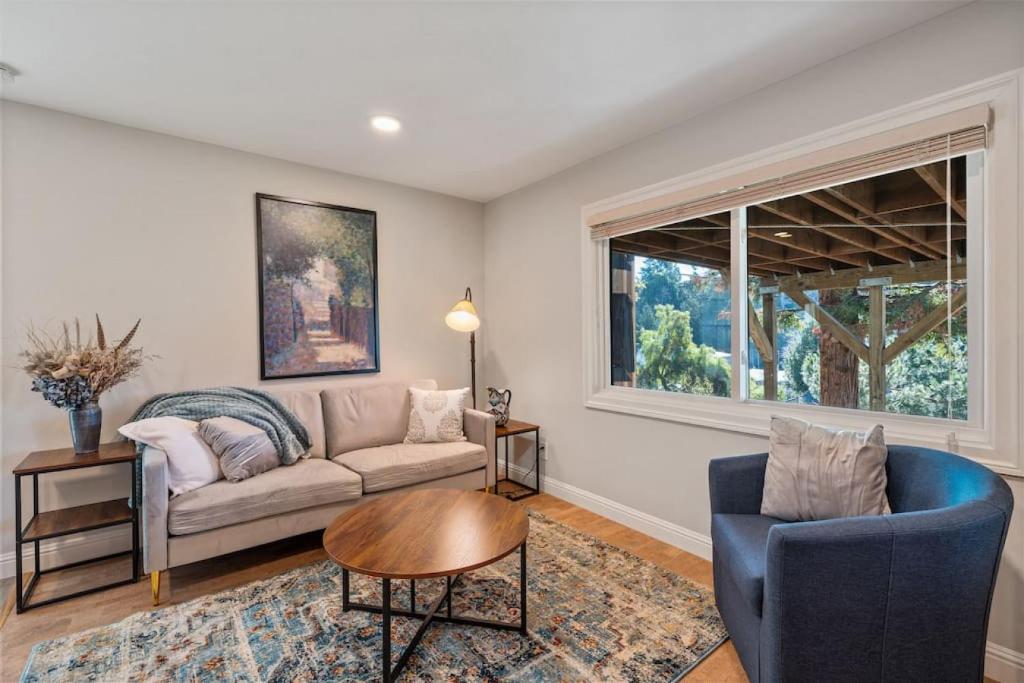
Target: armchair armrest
(154, 509)
(479, 428)
(736, 484)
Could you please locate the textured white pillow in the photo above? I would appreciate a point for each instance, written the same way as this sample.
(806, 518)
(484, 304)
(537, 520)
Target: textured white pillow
(436, 415)
(820, 473)
(190, 462)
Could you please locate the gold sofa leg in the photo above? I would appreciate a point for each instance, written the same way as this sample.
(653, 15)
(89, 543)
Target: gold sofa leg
(154, 584)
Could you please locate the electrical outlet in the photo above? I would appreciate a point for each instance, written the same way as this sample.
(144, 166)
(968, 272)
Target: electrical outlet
(544, 450)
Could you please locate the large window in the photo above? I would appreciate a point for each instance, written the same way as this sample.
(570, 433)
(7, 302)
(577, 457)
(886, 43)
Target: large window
(871, 273)
(855, 296)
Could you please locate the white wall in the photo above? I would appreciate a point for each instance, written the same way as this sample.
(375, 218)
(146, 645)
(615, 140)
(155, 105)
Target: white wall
(126, 223)
(533, 280)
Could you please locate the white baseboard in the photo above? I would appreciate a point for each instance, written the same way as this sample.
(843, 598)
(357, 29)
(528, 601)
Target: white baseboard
(673, 534)
(1001, 663)
(68, 549)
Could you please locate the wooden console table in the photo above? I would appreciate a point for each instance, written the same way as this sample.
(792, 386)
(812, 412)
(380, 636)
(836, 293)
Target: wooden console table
(517, 428)
(73, 520)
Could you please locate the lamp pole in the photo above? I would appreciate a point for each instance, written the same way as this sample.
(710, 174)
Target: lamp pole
(472, 364)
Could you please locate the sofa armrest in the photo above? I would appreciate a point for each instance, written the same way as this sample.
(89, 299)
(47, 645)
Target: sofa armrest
(479, 428)
(737, 483)
(154, 509)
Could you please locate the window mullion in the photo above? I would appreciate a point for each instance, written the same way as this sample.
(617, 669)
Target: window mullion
(738, 301)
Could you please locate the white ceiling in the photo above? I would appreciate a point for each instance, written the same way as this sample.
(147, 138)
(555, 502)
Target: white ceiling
(493, 96)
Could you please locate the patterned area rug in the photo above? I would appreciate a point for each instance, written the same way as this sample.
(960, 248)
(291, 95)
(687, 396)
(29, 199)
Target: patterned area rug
(595, 613)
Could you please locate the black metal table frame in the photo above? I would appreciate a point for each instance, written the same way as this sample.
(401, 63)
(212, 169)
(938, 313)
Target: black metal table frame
(24, 595)
(533, 490)
(387, 611)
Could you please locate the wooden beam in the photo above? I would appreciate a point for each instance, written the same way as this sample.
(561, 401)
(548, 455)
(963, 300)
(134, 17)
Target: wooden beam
(837, 203)
(830, 324)
(901, 274)
(861, 195)
(758, 334)
(804, 240)
(876, 348)
(771, 361)
(934, 175)
(928, 322)
(863, 241)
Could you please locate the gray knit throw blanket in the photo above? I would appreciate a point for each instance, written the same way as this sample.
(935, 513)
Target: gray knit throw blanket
(258, 408)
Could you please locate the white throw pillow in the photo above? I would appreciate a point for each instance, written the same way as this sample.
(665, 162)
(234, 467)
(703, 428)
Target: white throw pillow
(190, 462)
(436, 415)
(820, 473)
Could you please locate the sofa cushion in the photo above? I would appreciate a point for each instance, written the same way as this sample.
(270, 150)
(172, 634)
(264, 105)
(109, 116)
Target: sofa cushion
(307, 483)
(390, 467)
(307, 407)
(741, 546)
(367, 415)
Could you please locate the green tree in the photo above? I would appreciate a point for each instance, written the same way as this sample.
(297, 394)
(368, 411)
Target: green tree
(793, 359)
(658, 282)
(670, 361)
(920, 379)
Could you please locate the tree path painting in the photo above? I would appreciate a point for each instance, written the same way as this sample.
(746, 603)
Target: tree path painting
(318, 288)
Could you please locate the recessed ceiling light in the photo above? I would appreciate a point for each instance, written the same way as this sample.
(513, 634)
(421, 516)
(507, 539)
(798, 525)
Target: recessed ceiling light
(783, 234)
(386, 124)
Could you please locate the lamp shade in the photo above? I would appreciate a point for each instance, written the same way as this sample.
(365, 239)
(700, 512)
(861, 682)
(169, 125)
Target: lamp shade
(463, 317)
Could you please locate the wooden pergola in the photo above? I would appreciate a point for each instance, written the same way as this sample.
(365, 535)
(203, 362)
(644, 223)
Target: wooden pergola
(891, 229)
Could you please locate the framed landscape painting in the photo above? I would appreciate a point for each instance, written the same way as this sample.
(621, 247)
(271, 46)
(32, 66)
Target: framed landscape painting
(318, 288)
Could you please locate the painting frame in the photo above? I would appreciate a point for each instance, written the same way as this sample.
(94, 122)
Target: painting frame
(373, 348)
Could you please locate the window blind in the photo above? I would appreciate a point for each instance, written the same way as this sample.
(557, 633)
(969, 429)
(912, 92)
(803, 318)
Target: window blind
(950, 135)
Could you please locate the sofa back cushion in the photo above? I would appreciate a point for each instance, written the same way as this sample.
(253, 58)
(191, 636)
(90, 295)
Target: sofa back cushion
(306, 406)
(367, 415)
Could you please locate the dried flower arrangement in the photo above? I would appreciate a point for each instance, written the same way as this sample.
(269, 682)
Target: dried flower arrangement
(70, 373)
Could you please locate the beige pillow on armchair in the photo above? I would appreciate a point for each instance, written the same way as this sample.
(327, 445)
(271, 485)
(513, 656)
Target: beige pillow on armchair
(820, 473)
(436, 416)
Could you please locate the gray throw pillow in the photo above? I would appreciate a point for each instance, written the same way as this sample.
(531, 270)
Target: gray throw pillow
(244, 450)
(820, 473)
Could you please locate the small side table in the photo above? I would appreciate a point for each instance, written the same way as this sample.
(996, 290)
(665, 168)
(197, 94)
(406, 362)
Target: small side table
(73, 520)
(517, 428)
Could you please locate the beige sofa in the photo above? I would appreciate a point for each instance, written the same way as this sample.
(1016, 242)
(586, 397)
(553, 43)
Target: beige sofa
(357, 453)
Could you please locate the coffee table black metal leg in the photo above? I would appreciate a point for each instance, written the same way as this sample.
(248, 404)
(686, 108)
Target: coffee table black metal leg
(386, 639)
(387, 611)
(344, 589)
(522, 588)
(412, 595)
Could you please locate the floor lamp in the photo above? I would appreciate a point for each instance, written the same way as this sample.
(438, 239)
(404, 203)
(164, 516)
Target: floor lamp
(463, 318)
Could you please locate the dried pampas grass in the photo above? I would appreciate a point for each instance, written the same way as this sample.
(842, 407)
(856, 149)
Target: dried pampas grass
(65, 355)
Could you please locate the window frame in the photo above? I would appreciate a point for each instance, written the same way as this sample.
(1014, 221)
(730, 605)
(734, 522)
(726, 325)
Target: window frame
(990, 435)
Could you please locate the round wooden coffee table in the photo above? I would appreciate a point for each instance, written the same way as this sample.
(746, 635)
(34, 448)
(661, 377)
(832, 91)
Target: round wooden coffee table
(426, 534)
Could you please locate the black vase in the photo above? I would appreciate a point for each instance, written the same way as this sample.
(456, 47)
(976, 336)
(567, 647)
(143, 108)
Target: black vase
(85, 427)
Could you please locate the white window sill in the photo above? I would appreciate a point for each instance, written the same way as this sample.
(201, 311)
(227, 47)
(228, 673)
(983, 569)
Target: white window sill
(754, 418)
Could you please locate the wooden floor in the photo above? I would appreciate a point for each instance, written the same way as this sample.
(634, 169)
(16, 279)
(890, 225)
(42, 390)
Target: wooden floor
(21, 631)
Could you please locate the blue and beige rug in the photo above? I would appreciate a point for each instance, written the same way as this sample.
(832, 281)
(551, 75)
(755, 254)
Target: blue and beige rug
(596, 613)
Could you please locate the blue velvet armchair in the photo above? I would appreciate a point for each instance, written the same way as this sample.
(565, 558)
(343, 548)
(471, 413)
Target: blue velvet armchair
(900, 597)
